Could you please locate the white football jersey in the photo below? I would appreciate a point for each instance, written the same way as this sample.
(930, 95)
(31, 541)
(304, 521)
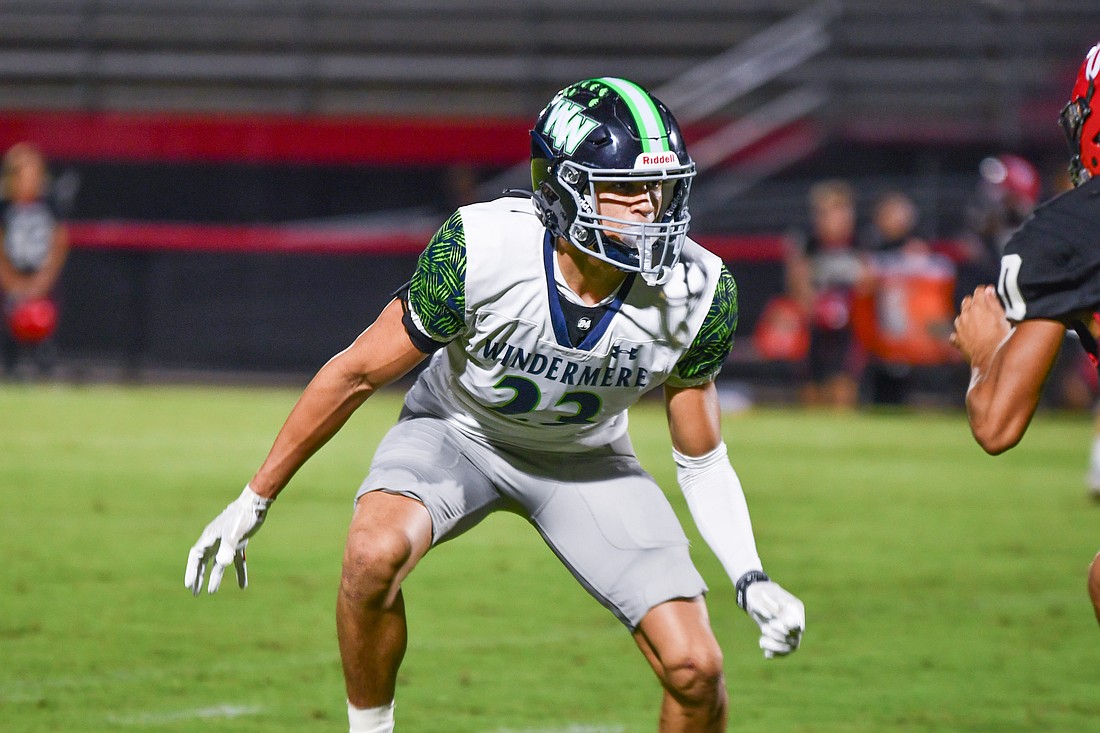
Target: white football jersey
(486, 287)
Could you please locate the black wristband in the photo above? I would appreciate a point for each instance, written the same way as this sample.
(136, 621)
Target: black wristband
(745, 581)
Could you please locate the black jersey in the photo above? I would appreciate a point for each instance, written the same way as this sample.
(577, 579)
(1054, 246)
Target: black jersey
(1051, 266)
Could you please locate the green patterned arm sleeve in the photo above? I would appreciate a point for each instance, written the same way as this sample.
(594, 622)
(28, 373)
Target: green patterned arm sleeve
(437, 291)
(704, 358)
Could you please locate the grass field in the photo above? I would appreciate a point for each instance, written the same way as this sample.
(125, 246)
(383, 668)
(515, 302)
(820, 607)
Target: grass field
(944, 588)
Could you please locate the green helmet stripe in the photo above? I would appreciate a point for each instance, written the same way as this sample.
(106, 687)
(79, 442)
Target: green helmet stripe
(646, 116)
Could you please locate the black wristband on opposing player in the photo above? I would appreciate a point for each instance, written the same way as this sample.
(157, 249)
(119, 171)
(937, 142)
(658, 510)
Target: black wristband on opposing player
(745, 581)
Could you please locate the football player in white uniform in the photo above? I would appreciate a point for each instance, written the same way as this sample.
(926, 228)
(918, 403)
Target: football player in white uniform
(1050, 281)
(546, 317)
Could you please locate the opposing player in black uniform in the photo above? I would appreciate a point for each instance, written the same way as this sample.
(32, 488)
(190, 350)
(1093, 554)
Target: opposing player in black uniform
(1049, 281)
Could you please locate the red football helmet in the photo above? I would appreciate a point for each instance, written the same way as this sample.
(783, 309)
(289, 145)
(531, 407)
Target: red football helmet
(33, 320)
(1082, 128)
(1013, 181)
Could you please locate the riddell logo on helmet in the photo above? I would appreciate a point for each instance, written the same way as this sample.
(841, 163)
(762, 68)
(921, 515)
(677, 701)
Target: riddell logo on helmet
(652, 160)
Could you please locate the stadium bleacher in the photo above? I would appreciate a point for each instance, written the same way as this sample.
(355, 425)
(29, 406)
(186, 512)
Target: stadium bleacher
(332, 113)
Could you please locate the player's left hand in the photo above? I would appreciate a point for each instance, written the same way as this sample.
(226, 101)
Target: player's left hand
(224, 541)
(780, 615)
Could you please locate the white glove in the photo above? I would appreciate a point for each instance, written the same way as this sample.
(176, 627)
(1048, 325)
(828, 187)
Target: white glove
(780, 615)
(224, 540)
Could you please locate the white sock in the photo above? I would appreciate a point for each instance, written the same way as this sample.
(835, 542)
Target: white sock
(371, 720)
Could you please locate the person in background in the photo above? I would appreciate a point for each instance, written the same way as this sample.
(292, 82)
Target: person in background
(893, 226)
(1007, 191)
(904, 319)
(823, 270)
(35, 246)
(1011, 334)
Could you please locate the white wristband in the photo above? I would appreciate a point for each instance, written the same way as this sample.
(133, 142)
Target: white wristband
(717, 504)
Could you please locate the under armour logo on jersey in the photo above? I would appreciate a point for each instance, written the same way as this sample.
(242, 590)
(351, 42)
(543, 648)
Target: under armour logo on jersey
(584, 323)
(617, 350)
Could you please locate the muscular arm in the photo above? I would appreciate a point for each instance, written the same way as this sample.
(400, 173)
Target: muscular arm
(1005, 388)
(378, 356)
(717, 503)
(694, 418)
(1008, 368)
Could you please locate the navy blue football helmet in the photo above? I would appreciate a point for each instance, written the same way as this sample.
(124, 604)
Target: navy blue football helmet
(611, 129)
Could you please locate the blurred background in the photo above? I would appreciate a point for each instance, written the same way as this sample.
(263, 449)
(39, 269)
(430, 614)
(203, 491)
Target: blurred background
(245, 183)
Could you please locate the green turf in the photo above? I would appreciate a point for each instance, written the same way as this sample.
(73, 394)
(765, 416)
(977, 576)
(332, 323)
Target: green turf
(944, 588)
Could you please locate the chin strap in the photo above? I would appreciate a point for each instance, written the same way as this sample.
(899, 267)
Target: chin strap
(660, 277)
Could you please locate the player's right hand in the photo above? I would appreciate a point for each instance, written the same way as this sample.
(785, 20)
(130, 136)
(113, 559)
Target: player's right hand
(981, 325)
(224, 541)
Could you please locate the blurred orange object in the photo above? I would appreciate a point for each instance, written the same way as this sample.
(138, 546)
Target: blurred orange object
(781, 333)
(33, 320)
(908, 318)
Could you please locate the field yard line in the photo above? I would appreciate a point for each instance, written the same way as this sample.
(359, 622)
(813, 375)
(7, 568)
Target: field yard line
(208, 713)
(525, 640)
(30, 690)
(569, 728)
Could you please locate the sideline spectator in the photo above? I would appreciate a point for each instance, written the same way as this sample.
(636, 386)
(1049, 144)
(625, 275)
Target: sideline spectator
(35, 246)
(904, 320)
(823, 271)
(893, 224)
(1007, 191)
